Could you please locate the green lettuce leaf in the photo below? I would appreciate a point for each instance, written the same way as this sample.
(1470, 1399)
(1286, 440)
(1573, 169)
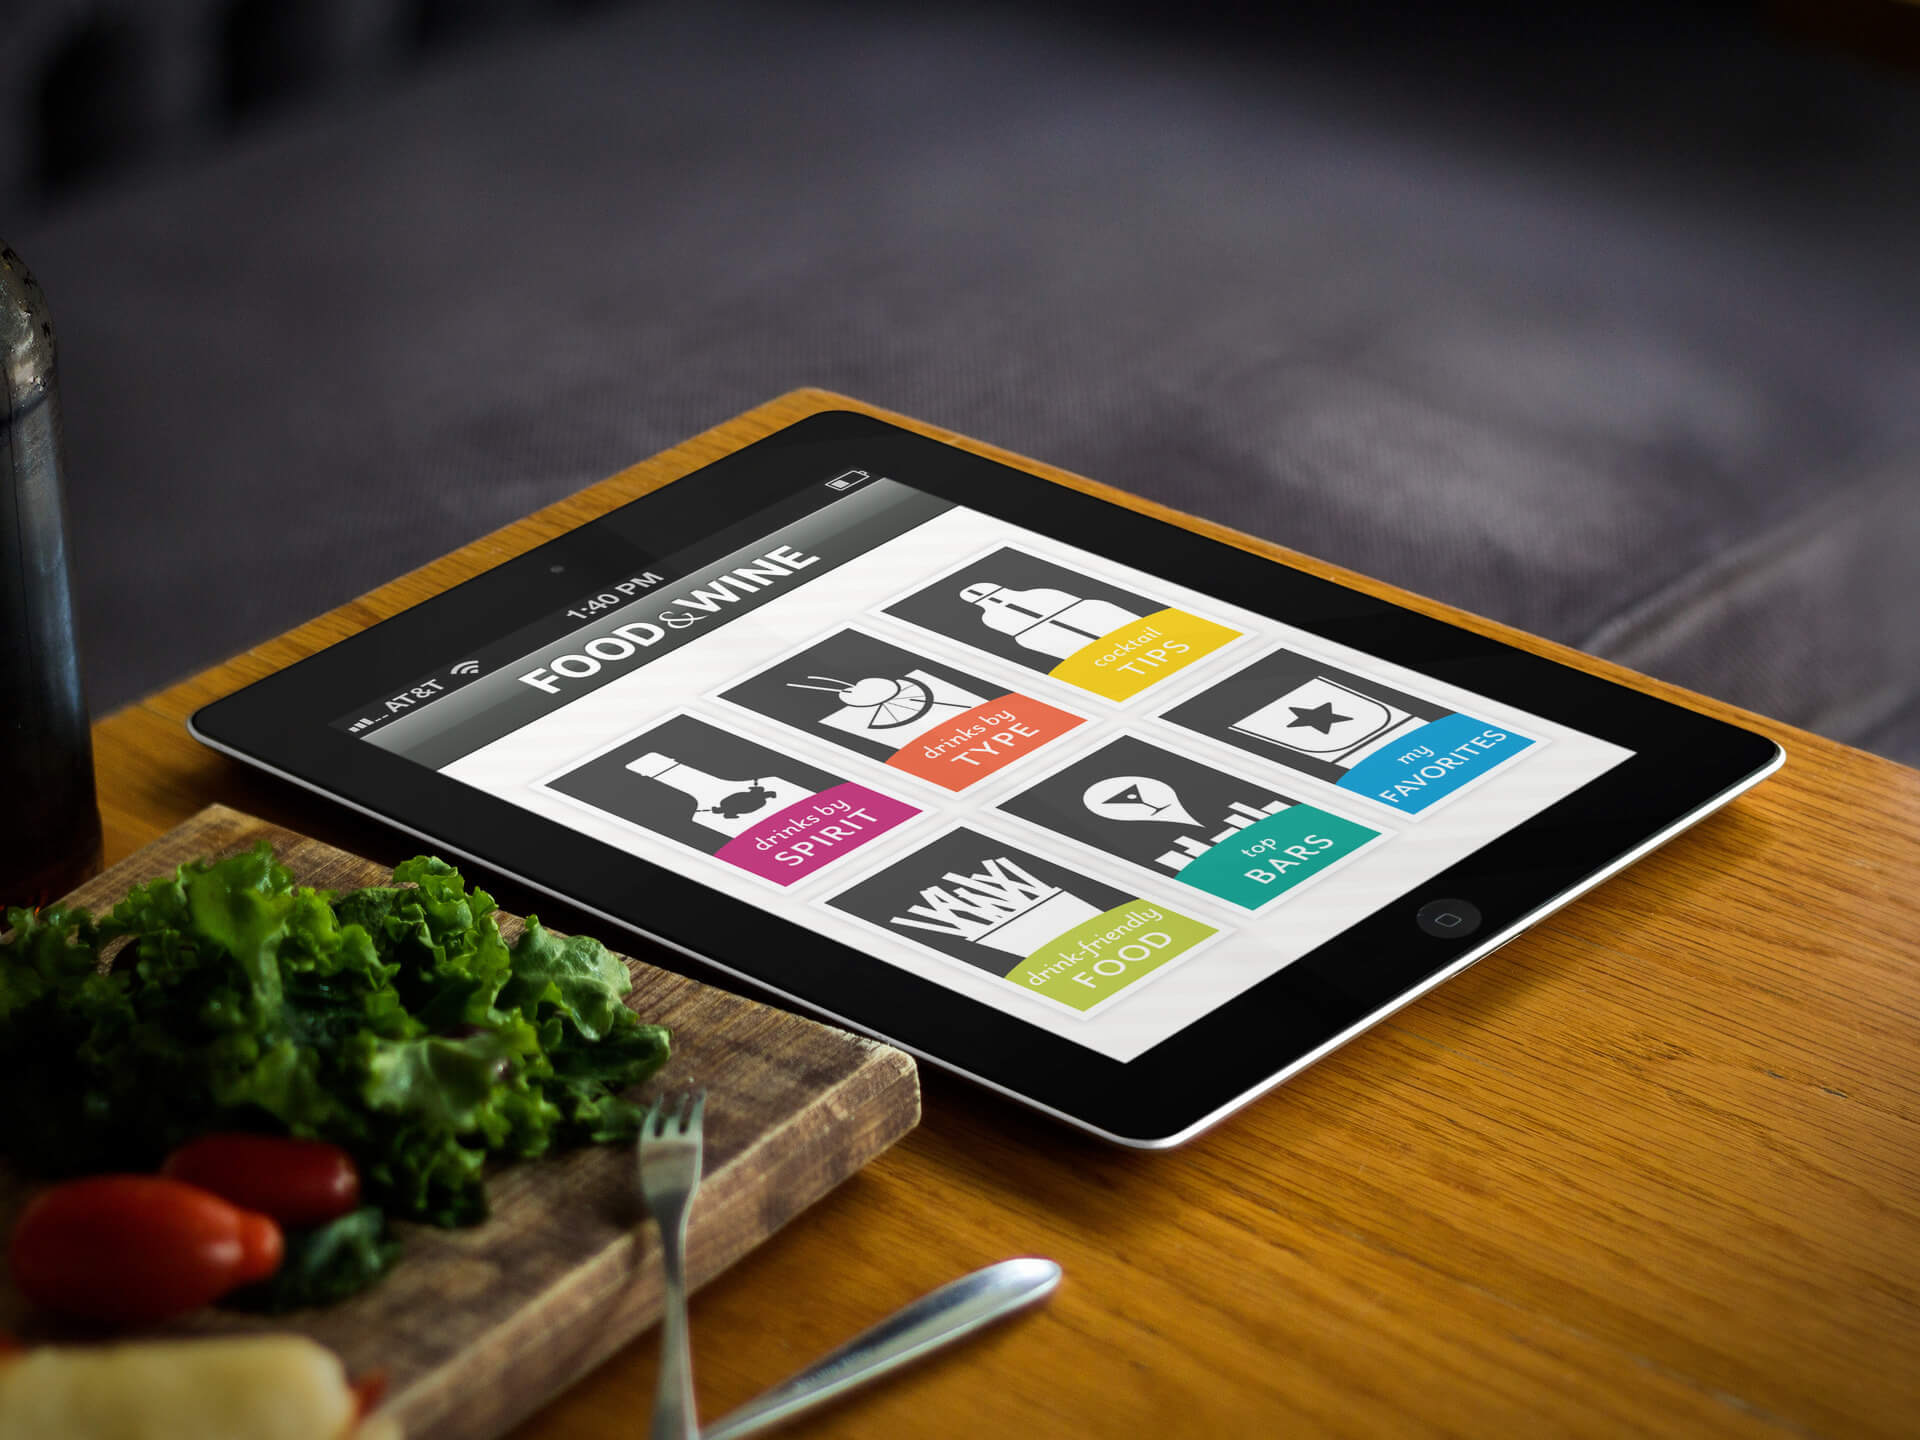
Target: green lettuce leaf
(325, 1264)
(394, 1021)
(577, 976)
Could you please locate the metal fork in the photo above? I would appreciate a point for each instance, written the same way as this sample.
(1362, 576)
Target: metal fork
(669, 1174)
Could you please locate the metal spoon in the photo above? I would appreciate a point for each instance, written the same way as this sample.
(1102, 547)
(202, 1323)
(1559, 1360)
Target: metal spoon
(948, 1314)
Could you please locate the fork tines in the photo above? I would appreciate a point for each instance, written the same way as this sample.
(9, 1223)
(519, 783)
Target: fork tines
(674, 1114)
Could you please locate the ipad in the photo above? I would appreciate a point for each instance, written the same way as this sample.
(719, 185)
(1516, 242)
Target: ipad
(1116, 819)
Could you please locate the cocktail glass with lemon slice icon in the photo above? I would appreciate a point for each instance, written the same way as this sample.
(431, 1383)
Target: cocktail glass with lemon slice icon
(891, 710)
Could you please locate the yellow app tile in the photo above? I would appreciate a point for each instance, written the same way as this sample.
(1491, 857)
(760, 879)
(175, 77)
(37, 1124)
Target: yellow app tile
(1125, 661)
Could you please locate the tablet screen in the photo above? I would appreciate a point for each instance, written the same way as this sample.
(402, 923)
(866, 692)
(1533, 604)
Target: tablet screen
(1099, 801)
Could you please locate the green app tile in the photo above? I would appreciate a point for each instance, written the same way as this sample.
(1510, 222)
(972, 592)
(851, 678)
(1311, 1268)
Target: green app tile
(1269, 858)
(1101, 956)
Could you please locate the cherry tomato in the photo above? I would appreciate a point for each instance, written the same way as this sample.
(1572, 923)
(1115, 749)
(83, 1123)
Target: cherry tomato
(368, 1391)
(298, 1182)
(134, 1249)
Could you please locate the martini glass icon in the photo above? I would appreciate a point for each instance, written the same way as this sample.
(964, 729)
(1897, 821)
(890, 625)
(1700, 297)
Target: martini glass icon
(1131, 798)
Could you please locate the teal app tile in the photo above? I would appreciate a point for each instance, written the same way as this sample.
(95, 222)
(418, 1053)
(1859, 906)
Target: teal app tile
(1265, 860)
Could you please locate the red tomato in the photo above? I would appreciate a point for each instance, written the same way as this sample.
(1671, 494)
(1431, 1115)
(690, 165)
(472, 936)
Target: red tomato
(134, 1249)
(368, 1391)
(298, 1182)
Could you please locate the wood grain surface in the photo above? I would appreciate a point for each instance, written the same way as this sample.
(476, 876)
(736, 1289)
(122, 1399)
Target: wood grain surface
(1654, 1167)
(477, 1326)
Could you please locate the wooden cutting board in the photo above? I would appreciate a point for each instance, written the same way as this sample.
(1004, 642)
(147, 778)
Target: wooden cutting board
(477, 1327)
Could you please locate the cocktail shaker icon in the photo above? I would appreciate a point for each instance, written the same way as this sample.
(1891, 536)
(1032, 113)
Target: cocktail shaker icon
(729, 806)
(1054, 622)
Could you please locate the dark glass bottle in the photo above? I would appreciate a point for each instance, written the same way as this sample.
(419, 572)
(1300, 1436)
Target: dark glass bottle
(49, 821)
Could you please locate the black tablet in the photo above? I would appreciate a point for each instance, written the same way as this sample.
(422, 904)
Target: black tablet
(1116, 819)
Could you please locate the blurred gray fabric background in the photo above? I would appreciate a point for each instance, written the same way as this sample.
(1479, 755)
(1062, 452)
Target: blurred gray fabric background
(1605, 326)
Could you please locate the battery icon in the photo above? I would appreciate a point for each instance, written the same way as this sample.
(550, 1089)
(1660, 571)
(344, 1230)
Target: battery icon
(848, 480)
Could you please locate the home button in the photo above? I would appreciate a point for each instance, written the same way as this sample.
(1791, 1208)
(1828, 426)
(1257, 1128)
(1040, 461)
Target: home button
(1448, 919)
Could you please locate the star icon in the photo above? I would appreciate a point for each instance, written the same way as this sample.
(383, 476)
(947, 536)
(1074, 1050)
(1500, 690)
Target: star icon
(1320, 717)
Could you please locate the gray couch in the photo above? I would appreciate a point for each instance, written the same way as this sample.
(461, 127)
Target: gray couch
(1613, 334)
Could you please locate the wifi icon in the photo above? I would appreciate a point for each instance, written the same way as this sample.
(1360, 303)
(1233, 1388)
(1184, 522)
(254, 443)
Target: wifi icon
(467, 667)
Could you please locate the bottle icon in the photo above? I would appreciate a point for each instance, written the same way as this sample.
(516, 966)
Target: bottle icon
(729, 806)
(1053, 622)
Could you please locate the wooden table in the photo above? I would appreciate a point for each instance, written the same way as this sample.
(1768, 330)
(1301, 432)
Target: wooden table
(1654, 1166)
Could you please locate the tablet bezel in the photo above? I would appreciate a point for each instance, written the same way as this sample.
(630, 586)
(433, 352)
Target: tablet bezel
(1685, 765)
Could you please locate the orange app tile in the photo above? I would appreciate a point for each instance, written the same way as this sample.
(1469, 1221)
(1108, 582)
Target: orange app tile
(979, 742)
